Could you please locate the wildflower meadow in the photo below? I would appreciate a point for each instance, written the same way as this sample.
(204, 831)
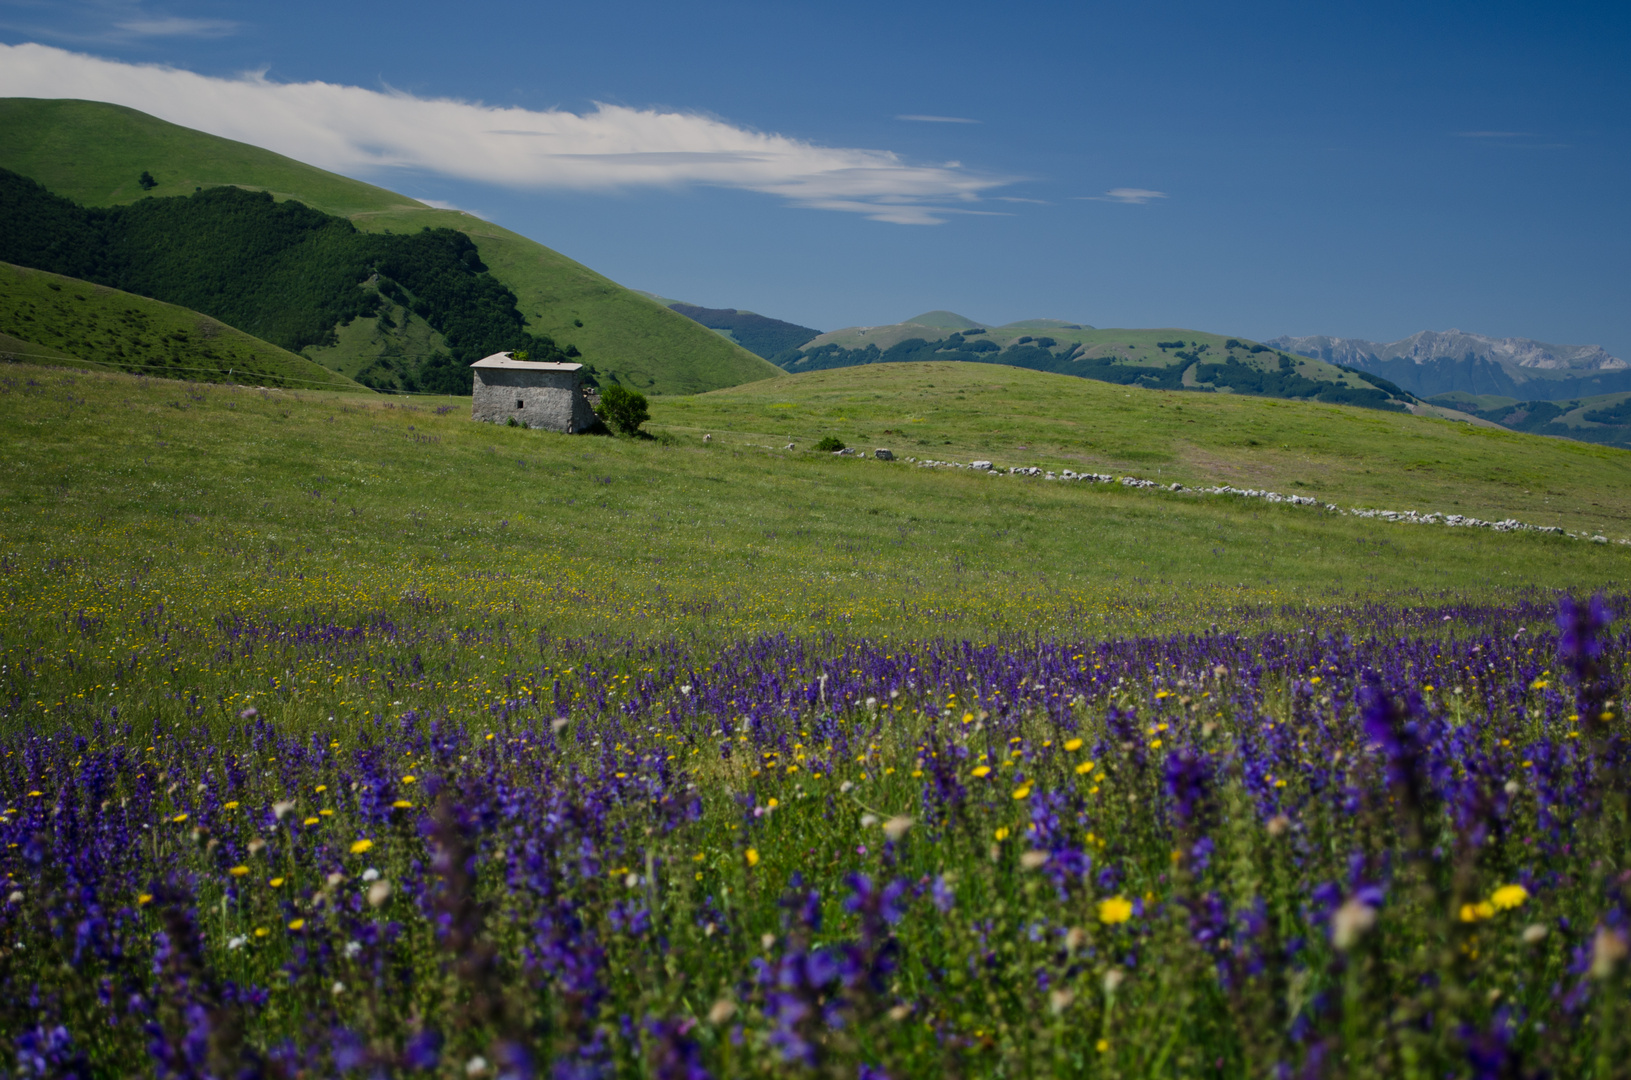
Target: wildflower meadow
(345, 739)
(1329, 850)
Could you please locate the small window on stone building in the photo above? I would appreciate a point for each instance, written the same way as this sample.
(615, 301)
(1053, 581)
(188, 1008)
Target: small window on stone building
(520, 404)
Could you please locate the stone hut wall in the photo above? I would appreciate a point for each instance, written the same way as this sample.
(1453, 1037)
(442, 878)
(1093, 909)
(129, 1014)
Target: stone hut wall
(552, 400)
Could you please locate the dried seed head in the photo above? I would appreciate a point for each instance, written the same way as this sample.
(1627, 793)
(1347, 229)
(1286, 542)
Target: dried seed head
(1033, 859)
(1074, 938)
(1351, 922)
(1059, 1000)
(1607, 950)
(722, 1011)
(1278, 825)
(1113, 979)
(378, 893)
(1534, 934)
(897, 827)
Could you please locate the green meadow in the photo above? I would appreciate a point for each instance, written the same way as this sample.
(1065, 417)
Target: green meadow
(384, 498)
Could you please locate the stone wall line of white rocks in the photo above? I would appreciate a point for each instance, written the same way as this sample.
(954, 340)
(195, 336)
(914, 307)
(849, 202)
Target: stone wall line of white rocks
(1408, 517)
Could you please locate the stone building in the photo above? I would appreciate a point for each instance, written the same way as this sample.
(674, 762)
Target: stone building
(534, 395)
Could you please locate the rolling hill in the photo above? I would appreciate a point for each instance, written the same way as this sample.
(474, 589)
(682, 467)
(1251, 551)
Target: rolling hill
(1017, 417)
(1601, 418)
(759, 334)
(55, 320)
(95, 154)
(1167, 359)
(1432, 363)
(284, 272)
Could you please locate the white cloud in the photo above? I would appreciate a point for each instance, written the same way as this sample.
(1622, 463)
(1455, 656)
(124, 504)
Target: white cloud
(922, 119)
(352, 130)
(109, 22)
(172, 26)
(1132, 196)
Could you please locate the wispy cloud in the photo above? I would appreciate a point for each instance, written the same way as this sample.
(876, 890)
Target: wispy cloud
(1496, 135)
(1132, 196)
(922, 119)
(108, 22)
(349, 129)
(172, 26)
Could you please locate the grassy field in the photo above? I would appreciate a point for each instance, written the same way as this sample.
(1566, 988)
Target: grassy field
(348, 734)
(94, 153)
(1338, 454)
(675, 535)
(50, 319)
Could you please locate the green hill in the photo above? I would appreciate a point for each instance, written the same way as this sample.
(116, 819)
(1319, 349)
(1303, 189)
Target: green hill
(412, 502)
(1168, 359)
(1014, 417)
(50, 319)
(758, 334)
(1601, 418)
(95, 154)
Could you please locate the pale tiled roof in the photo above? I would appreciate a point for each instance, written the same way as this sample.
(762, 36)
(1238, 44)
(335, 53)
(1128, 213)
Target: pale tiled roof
(503, 360)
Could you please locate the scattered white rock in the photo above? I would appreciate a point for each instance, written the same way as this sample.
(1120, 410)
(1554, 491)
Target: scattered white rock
(883, 455)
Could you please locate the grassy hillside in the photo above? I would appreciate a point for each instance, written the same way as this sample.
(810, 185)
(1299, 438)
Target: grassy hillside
(654, 537)
(960, 411)
(1168, 359)
(1600, 418)
(94, 153)
(73, 322)
(637, 340)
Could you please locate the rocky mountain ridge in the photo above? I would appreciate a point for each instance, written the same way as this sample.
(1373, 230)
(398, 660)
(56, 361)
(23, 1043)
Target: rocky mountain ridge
(1453, 361)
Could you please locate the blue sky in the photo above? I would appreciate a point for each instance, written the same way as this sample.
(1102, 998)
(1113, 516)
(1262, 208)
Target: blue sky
(1365, 170)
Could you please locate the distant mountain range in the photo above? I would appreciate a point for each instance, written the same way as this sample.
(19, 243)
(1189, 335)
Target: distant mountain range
(1164, 359)
(1452, 361)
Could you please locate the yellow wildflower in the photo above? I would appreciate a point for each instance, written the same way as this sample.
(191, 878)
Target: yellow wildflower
(360, 846)
(1508, 897)
(1085, 767)
(753, 856)
(1117, 909)
(297, 924)
(1022, 792)
(238, 871)
(980, 770)
(1073, 745)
